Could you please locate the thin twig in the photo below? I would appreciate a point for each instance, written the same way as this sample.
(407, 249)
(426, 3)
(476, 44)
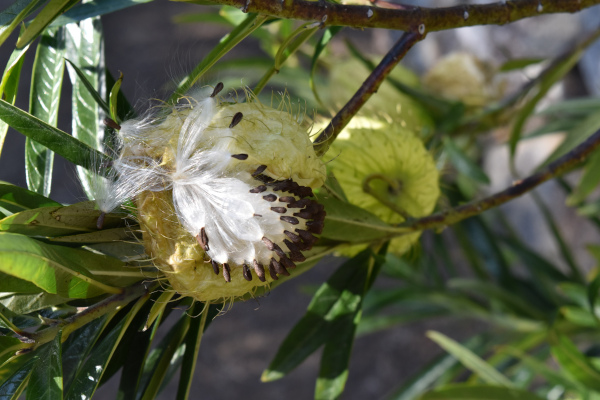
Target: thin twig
(72, 323)
(405, 17)
(554, 169)
(369, 86)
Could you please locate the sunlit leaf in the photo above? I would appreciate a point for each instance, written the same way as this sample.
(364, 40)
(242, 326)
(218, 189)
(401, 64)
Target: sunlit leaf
(96, 8)
(48, 14)
(573, 362)
(470, 360)
(56, 269)
(14, 376)
(85, 49)
(56, 140)
(46, 82)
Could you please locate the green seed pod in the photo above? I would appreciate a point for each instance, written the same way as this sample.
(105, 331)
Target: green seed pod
(377, 163)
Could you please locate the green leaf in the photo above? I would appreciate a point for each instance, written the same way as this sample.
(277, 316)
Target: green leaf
(540, 367)
(78, 346)
(192, 347)
(94, 9)
(46, 82)
(519, 63)
(46, 380)
(14, 376)
(9, 283)
(90, 87)
(9, 345)
(470, 360)
(157, 363)
(328, 34)
(478, 392)
(15, 199)
(228, 42)
(349, 223)
(336, 299)
(56, 269)
(56, 140)
(85, 48)
(88, 376)
(575, 364)
(432, 372)
(589, 181)
(556, 71)
(12, 16)
(463, 163)
(10, 85)
(113, 97)
(26, 303)
(333, 373)
(58, 221)
(48, 14)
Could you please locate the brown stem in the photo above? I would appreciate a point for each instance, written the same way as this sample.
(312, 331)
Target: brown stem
(405, 17)
(369, 86)
(554, 169)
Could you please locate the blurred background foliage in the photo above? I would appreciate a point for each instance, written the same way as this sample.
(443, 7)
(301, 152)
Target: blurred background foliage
(517, 284)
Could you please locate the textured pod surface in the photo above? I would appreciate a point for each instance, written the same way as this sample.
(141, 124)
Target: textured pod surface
(223, 195)
(402, 172)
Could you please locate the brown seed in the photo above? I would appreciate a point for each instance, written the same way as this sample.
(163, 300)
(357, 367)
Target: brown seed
(278, 250)
(241, 157)
(287, 199)
(236, 119)
(286, 262)
(259, 269)
(303, 191)
(270, 245)
(258, 189)
(285, 185)
(295, 253)
(203, 239)
(293, 237)
(259, 170)
(100, 220)
(303, 214)
(246, 273)
(217, 89)
(289, 220)
(280, 210)
(112, 124)
(280, 269)
(314, 226)
(270, 197)
(226, 272)
(300, 203)
(215, 266)
(272, 272)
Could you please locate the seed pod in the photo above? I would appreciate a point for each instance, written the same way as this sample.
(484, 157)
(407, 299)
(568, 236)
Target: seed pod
(208, 195)
(404, 173)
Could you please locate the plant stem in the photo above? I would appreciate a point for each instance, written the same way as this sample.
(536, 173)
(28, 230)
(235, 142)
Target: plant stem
(554, 169)
(406, 17)
(74, 322)
(369, 86)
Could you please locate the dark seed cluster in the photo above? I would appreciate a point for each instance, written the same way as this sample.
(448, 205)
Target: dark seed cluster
(297, 202)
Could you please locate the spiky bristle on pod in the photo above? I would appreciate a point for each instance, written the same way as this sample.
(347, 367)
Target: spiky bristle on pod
(222, 189)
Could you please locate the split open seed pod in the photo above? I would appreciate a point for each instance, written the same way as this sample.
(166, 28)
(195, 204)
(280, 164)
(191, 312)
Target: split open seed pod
(223, 194)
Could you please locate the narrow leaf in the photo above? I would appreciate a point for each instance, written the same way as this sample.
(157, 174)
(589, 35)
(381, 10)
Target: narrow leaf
(46, 380)
(478, 392)
(470, 360)
(85, 48)
(574, 363)
(463, 163)
(56, 140)
(55, 269)
(16, 199)
(228, 42)
(89, 375)
(14, 376)
(12, 16)
(46, 82)
(48, 14)
(96, 8)
(340, 296)
(114, 95)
